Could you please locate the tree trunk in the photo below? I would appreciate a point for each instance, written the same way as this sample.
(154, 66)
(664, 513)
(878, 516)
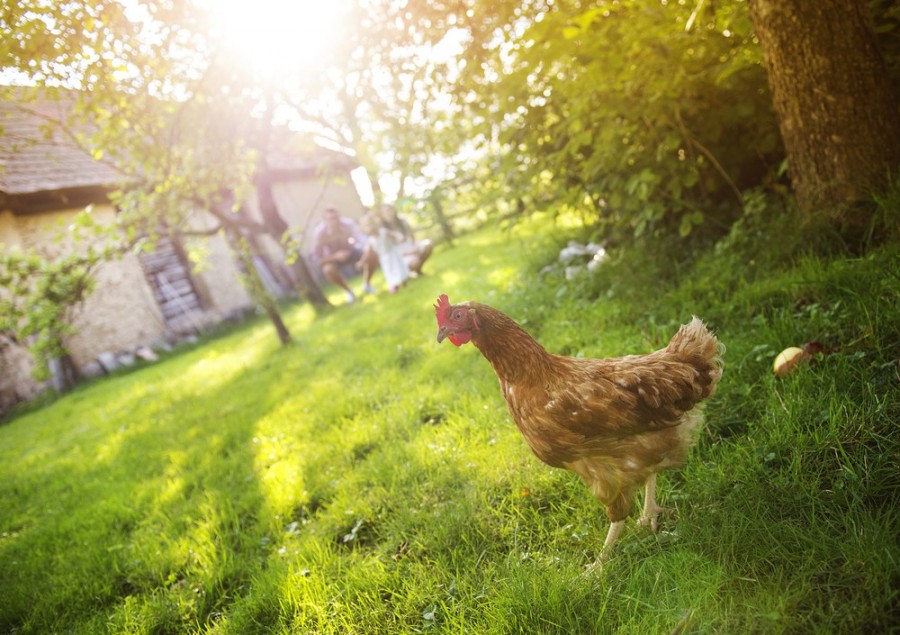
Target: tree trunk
(271, 309)
(278, 226)
(349, 104)
(254, 284)
(272, 219)
(63, 374)
(438, 208)
(838, 115)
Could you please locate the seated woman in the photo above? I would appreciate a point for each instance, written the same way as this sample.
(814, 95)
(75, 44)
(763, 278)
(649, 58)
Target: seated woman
(385, 243)
(416, 252)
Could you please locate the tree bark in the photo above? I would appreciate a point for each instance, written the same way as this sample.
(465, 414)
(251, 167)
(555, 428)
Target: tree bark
(278, 226)
(257, 291)
(273, 221)
(438, 208)
(63, 374)
(838, 114)
(253, 283)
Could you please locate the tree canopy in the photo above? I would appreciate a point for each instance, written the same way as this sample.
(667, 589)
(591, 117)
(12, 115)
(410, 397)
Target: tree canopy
(651, 116)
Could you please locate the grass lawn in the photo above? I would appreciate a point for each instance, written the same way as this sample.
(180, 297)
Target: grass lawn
(365, 479)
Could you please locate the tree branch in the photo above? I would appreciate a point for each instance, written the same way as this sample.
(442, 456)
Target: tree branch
(709, 155)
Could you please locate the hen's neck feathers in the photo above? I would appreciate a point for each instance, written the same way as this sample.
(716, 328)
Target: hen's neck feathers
(515, 355)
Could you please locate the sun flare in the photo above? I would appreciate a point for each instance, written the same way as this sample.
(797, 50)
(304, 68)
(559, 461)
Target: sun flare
(275, 38)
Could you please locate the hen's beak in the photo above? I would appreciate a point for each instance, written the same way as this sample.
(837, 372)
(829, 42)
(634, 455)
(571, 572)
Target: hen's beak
(443, 332)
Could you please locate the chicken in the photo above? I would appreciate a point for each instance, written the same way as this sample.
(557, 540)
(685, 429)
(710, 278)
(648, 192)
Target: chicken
(614, 422)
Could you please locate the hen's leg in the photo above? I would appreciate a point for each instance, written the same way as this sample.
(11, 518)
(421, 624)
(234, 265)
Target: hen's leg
(651, 509)
(611, 536)
(617, 510)
(615, 529)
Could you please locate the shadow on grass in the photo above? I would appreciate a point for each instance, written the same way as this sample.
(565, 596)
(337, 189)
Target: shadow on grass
(154, 517)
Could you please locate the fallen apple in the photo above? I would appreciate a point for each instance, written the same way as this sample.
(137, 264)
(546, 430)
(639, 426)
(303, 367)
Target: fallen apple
(788, 359)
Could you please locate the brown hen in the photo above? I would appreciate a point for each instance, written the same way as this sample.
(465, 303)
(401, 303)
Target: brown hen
(615, 422)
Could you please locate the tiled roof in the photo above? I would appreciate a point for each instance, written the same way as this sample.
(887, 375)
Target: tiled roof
(36, 155)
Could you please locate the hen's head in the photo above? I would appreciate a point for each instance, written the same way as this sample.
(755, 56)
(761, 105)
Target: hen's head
(456, 322)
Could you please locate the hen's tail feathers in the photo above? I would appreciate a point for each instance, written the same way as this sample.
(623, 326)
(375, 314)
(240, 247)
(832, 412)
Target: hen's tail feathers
(694, 343)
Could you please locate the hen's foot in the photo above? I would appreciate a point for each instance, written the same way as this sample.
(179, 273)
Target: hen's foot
(594, 568)
(651, 509)
(651, 517)
(611, 536)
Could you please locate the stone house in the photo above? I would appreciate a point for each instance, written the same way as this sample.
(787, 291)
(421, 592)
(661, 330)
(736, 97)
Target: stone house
(139, 301)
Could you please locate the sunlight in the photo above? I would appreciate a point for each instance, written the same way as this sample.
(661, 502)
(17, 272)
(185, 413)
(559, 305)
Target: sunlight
(275, 38)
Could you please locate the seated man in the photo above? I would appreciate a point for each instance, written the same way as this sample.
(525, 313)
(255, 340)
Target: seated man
(338, 242)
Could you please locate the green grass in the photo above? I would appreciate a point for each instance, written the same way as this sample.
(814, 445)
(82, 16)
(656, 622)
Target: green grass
(365, 479)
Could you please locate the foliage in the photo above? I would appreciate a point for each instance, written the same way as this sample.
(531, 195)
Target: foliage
(381, 94)
(650, 116)
(208, 494)
(654, 117)
(885, 224)
(41, 289)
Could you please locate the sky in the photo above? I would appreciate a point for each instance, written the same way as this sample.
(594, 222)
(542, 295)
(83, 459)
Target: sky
(275, 37)
(285, 37)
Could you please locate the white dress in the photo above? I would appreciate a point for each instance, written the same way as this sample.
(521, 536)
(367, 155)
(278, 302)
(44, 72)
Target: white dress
(393, 265)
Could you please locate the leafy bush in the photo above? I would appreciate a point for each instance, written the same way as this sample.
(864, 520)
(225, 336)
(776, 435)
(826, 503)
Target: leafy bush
(656, 116)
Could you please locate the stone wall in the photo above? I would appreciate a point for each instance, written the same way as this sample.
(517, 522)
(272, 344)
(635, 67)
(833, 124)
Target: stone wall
(120, 314)
(216, 274)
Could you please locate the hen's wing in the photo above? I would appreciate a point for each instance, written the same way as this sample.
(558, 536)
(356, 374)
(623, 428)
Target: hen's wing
(627, 395)
(595, 403)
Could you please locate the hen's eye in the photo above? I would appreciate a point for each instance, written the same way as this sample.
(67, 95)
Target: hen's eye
(457, 315)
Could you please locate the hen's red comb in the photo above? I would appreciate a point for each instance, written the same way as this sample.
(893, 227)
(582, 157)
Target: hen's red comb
(442, 309)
